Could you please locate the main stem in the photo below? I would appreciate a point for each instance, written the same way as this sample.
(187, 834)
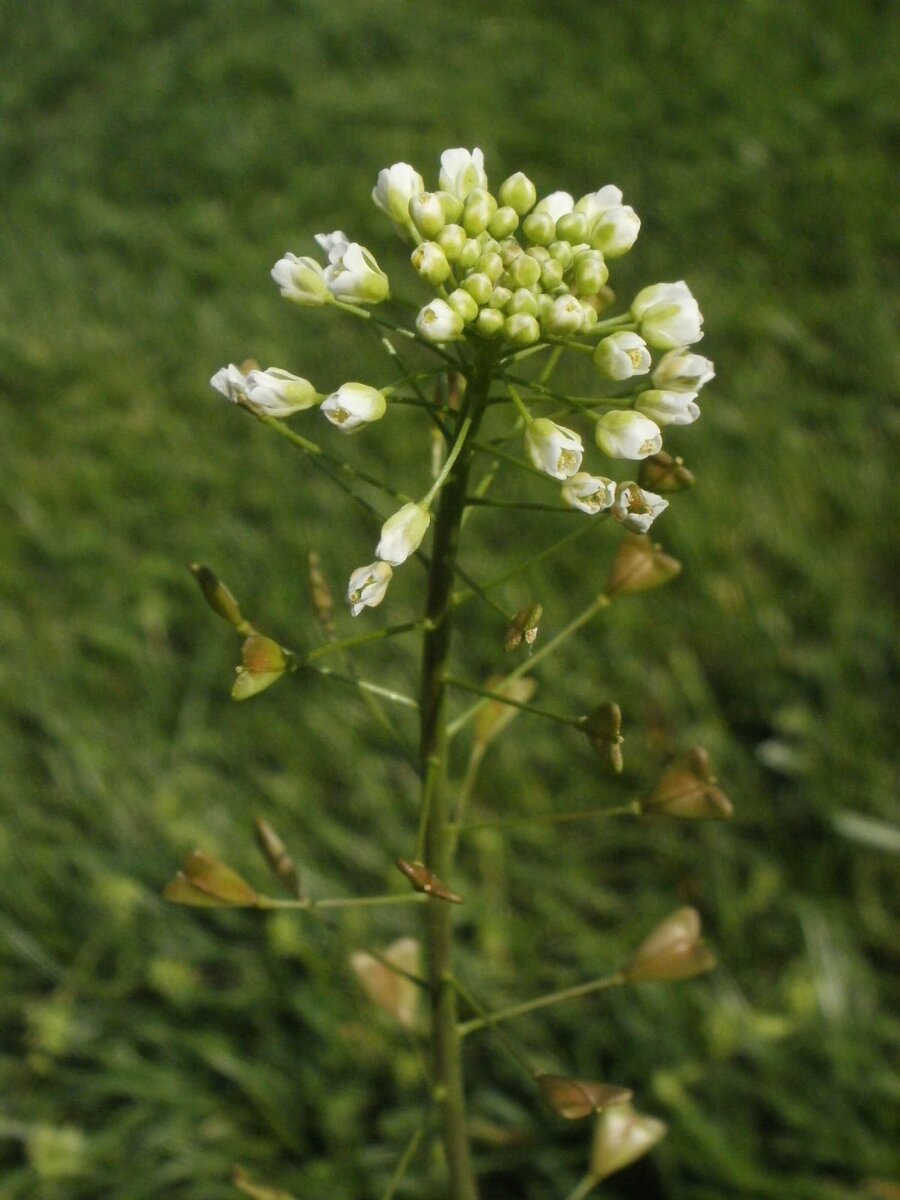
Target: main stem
(447, 1080)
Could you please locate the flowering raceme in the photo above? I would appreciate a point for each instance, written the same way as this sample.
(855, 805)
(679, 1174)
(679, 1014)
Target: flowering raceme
(509, 274)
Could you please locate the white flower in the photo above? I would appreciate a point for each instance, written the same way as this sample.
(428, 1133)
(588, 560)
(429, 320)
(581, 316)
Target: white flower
(622, 355)
(557, 204)
(354, 405)
(682, 371)
(636, 508)
(437, 322)
(367, 586)
(301, 280)
(668, 314)
(595, 203)
(354, 276)
(615, 231)
(279, 393)
(590, 493)
(231, 382)
(668, 408)
(553, 448)
(402, 533)
(564, 316)
(461, 171)
(334, 244)
(625, 434)
(395, 188)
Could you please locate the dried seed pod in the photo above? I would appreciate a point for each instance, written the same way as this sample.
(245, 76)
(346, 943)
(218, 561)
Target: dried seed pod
(219, 598)
(575, 1099)
(523, 627)
(321, 596)
(263, 662)
(424, 880)
(686, 789)
(621, 1137)
(664, 474)
(674, 950)
(394, 993)
(494, 716)
(206, 882)
(603, 728)
(639, 566)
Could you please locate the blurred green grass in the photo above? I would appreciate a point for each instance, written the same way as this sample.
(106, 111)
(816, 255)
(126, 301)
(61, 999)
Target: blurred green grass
(156, 159)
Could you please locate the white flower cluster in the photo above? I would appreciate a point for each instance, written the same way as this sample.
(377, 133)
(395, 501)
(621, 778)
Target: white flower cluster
(519, 271)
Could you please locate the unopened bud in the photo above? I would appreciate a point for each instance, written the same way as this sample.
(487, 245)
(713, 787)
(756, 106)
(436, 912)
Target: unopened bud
(219, 598)
(463, 304)
(430, 260)
(539, 228)
(603, 727)
(478, 209)
(452, 206)
(204, 881)
(489, 322)
(427, 214)
(524, 271)
(590, 272)
(622, 1136)
(551, 275)
(572, 227)
(504, 222)
(479, 286)
(491, 264)
(524, 627)
(451, 240)
(665, 474)
(673, 951)
(639, 566)
(686, 789)
(425, 880)
(520, 329)
(519, 193)
(564, 318)
(574, 1099)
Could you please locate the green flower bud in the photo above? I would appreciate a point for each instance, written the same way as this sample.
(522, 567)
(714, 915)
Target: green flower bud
(521, 329)
(563, 253)
(523, 301)
(519, 193)
(463, 304)
(551, 275)
(590, 316)
(500, 297)
(430, 261)
(539, 253)
(479, 286)
(469, 255)
(451, 240)
(510, 251)
(564, 318)
(504, 222)
(489, 322)
(490, 264)
(590, 272)
(452, 206)
(524, 272)
(540, 228)
(572, 227)
(478, 209)
(427, 214)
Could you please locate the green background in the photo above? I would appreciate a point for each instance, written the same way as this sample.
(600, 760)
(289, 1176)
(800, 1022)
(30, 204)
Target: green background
(156, 158)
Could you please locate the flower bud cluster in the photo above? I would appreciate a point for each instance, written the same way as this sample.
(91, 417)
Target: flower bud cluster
(508, 266)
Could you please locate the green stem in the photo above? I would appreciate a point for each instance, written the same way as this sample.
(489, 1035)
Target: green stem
(547, 1001)
(308, 903)
(502, 1036)
(375, 635)
(365, 686)
(474, 688)
(435, 837)
(406, 1159)
(583, 1189)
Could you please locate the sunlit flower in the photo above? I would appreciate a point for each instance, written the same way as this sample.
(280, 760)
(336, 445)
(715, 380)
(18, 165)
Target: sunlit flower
(557, 204)
(636, 508)
(622, 355)
(368, 585)
(278, 393)
(668, 315)
(553, 448)
(395, 188)
(301, 280)
(668, 408)
(437, 322)
(682, 371)
(402, 533)
(354, 276)
(354, 405)
(595, 203)
(590, 493)
(615, 231)
(626, 434)
(462, 170)
(231, 382)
